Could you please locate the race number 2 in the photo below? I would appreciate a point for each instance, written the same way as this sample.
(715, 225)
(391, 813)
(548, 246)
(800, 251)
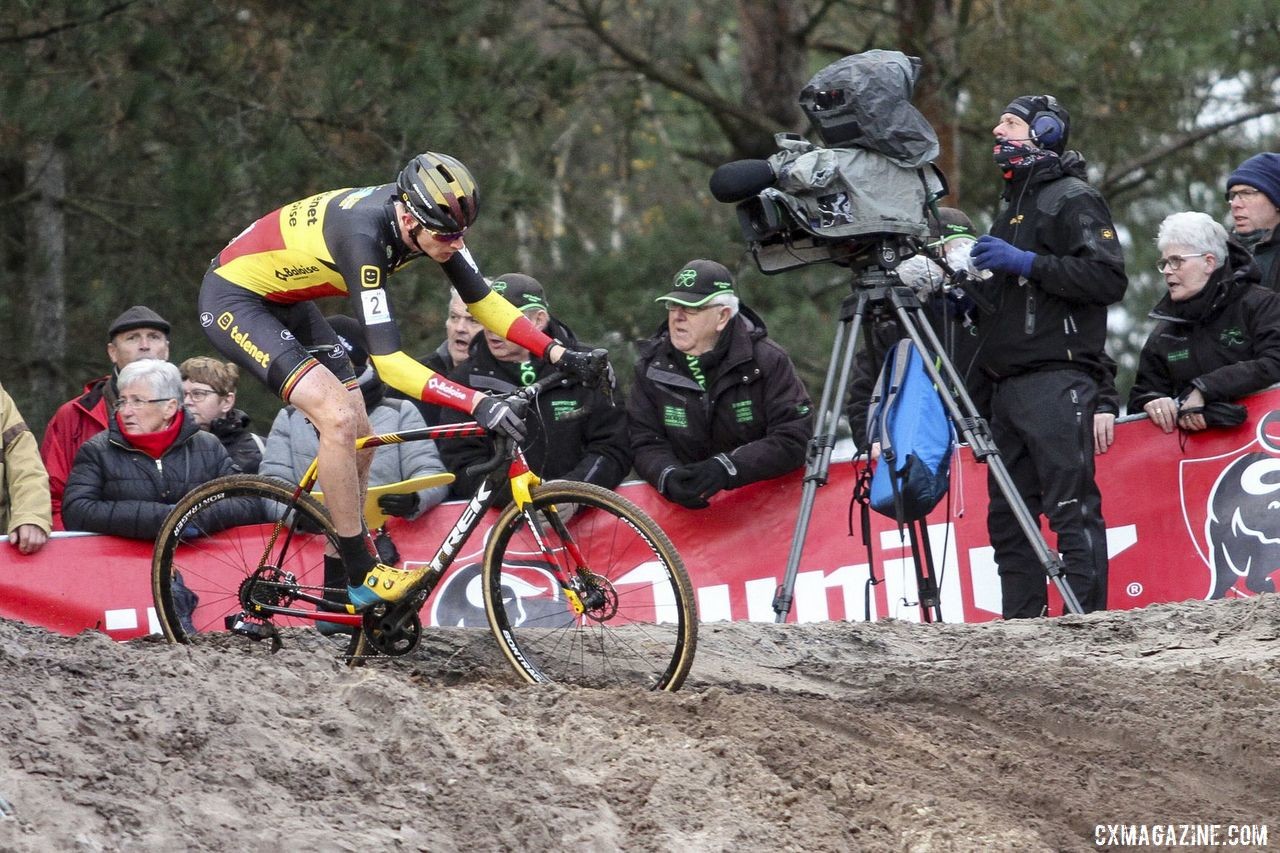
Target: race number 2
(374, 305)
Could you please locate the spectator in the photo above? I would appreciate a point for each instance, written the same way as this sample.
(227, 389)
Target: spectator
(293, 443)
(1057, 265)
(24, 486)
(563, 443)
(460, 329)
(716, 403)
(1217, 334)
(137, 333)
(125, 480)
(209, 392)
(1253, 195)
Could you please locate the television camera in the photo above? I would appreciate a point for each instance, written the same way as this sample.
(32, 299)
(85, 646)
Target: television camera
(865, 201)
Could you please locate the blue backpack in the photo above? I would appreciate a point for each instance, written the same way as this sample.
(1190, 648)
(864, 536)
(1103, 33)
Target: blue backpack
(916, 438)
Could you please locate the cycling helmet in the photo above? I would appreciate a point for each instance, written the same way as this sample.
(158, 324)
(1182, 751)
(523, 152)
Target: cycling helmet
(440, 192)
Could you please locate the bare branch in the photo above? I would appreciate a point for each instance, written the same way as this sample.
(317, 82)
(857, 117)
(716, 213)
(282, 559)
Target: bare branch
(67, 25)
(591, 19)
(1132, 173)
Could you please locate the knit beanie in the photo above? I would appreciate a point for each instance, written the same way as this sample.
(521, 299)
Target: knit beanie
(1262, 172)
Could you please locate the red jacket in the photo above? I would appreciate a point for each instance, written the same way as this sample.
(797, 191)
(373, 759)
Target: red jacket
(75, 422)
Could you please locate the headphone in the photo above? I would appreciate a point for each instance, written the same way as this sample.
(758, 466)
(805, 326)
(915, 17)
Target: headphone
(1046, 129)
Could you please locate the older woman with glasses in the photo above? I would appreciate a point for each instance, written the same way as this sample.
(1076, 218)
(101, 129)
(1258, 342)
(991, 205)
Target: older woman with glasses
(1217, 333)
(124, 481)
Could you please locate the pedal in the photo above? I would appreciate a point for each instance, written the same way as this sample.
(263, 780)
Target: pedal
(255, 629)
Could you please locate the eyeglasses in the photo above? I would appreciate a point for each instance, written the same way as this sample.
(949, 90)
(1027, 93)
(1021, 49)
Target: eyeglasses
(448, 237)
(1174, 262)
(1244, 194)
(199, 394)
(134, 402)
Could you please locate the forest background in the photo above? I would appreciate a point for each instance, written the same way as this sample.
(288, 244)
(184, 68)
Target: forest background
(137, 137)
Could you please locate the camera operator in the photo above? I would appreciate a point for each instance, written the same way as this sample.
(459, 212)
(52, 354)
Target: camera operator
(1058, 265)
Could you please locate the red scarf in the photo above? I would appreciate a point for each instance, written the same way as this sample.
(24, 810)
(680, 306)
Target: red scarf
(154, 444)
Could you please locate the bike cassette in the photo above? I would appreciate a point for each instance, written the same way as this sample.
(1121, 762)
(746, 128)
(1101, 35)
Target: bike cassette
(267, 587)
(392, 631)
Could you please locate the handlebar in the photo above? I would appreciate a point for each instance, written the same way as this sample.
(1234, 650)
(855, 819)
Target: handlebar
(519, 401)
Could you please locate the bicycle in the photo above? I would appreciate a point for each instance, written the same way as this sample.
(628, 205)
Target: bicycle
(579, 584)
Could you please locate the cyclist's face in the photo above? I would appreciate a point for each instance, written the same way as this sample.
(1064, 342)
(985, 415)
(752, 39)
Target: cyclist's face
(694, 331)
(460, 329)
(136, 344)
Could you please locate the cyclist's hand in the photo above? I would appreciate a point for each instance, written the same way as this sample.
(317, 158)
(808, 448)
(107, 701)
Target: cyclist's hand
(401, 506)
(497, 416)
(588, 366)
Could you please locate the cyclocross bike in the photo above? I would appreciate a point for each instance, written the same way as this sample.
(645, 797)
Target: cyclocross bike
(580, 586)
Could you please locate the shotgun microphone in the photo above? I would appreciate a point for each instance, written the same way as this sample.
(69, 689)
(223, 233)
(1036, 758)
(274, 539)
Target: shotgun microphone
(741, 179)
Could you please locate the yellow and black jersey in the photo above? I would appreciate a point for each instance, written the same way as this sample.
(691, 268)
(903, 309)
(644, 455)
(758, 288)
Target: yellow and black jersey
(347, 242)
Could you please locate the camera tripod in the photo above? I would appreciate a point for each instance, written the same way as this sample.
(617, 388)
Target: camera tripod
(877, 291)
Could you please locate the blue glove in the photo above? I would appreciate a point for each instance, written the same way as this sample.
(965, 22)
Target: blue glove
(992, 253)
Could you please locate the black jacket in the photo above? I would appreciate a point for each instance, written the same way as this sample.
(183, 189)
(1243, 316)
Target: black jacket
(1058, 318)
(755, 409)
(116, 488)
(563, 443)
(244, 448)
(1225, 340)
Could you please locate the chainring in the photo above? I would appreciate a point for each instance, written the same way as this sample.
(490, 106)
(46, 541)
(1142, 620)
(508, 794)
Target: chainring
(391, 631)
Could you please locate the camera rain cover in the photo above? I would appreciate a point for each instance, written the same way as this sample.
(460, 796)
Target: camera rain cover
(864, 100)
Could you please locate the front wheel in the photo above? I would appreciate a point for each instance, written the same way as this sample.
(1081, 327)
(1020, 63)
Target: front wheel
(604, 600)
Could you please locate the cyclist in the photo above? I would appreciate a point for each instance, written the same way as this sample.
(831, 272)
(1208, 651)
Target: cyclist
(256, 307)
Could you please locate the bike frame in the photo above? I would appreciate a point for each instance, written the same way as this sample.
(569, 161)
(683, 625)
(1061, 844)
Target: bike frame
(517, 473)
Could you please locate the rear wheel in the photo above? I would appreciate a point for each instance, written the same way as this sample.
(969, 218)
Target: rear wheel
(628, 618)
(234, 545)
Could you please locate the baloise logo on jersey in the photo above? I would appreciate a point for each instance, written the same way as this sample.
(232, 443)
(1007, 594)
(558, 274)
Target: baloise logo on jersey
(286, 273)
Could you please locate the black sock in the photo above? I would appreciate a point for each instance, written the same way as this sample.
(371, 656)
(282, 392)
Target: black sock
(335, 578)
(356, 557)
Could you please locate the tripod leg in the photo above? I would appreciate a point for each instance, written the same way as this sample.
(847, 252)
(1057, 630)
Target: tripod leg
(927, 591)
(818, 463)
(978, 436)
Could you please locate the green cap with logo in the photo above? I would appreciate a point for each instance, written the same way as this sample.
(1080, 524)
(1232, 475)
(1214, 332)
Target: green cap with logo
(697, 283)
(522, 291)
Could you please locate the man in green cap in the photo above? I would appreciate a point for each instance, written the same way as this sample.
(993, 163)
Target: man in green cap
(716, 403)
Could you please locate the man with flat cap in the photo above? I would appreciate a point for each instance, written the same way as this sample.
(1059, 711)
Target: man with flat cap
(136, 334)
(716, 403)
(577, 433)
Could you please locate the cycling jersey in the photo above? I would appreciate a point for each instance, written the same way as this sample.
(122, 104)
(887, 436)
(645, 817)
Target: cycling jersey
(335, 243)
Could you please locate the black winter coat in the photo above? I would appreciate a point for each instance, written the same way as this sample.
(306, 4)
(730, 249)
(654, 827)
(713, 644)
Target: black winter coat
(1058, 317)
(116, 488)
(562, 443)
(755, 409)
(1225, 340)
(244, 448)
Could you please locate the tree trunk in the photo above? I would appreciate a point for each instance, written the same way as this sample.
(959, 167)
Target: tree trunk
(44, 329)
(773, 63)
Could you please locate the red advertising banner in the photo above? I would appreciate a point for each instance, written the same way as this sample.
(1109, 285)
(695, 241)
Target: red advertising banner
(1188, 517)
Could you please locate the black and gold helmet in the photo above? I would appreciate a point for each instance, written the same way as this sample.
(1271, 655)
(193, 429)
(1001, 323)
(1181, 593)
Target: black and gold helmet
(440, 192)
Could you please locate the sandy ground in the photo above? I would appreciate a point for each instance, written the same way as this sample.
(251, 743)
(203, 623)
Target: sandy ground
(837, 736)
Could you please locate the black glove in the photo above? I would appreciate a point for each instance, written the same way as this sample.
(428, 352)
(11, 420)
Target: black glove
(497, 416)
(707, 477)
(678, 488)
(401, 506)
(588, 366)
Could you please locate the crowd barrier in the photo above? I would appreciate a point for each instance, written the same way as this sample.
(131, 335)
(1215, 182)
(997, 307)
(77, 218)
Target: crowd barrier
(1188, 517)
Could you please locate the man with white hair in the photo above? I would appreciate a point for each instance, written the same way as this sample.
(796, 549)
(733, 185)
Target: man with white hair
(1217, 333)
(716, 403)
